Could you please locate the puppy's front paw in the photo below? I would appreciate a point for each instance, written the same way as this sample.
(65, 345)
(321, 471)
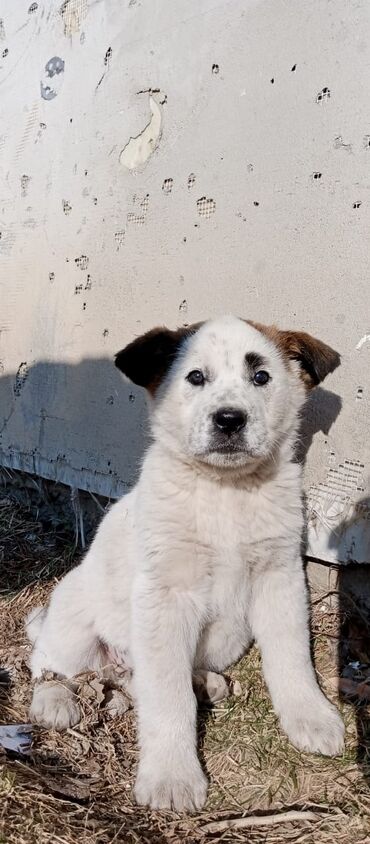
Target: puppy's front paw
(319, 729)
(54, 706)
(179, 785)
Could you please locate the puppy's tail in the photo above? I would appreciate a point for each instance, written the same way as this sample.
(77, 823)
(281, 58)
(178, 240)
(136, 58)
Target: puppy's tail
(34, 622)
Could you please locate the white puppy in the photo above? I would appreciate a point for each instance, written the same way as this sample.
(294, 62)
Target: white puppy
(203, 556)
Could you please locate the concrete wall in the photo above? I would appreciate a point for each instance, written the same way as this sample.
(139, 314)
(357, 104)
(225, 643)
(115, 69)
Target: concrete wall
(164, 162)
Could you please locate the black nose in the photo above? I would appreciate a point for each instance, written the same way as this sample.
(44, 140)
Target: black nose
(229, 421)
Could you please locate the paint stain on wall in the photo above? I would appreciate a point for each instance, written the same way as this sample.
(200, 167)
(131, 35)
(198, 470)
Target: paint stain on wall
(167, 186)
(7, 241)
(82, 262)
(54, 69)
(73, 12)
(339, 144)
(191, 181)
(54, 66)
(119, 237)
(139, 218)
(108, 56)
(33, 8)
(25, 181)
(80, 287)
(67, 208)
(20, 378)
(206, 207)
(2, 30)
(323, 95)
(139, 149)
(41, 130)
(107, 61)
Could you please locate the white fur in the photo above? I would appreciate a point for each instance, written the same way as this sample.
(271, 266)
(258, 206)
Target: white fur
(199, 559)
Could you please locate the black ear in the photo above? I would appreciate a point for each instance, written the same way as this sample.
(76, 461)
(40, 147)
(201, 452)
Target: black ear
(316, 359)
(146, 360)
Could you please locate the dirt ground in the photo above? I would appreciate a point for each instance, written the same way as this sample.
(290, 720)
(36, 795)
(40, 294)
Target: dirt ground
(76, 787)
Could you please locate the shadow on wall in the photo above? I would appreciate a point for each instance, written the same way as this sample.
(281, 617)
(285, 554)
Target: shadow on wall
(319, 414)
(80, 424)
(83, 425)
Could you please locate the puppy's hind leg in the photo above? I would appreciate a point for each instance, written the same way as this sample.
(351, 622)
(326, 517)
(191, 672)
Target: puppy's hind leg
(65, 643)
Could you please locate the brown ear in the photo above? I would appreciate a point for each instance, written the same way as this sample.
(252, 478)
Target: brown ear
(315, 358)
(146, 360)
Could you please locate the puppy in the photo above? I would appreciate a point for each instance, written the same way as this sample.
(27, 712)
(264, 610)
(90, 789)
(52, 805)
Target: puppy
(203, 556)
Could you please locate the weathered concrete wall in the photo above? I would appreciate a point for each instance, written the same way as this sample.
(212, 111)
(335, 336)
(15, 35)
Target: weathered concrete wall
(164, 162)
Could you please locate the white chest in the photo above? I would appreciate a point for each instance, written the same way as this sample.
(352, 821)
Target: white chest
(241, 532)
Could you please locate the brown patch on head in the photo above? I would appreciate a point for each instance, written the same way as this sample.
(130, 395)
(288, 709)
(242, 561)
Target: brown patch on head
(147, 359)
(315, 358)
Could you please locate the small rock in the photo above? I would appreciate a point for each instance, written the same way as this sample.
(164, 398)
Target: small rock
(116, 703)
(236, 689)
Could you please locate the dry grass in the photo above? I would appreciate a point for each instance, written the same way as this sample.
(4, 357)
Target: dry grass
(77, 787)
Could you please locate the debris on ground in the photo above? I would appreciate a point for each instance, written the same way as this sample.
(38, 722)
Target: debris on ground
(16, 738)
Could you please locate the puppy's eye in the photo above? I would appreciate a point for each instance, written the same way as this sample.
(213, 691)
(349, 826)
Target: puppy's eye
(196, 378)
(261, 378)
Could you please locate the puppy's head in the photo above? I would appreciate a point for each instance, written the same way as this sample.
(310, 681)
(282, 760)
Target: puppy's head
(226, 392)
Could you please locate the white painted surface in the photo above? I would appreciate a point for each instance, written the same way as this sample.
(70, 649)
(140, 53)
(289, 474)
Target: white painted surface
(245, 194)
